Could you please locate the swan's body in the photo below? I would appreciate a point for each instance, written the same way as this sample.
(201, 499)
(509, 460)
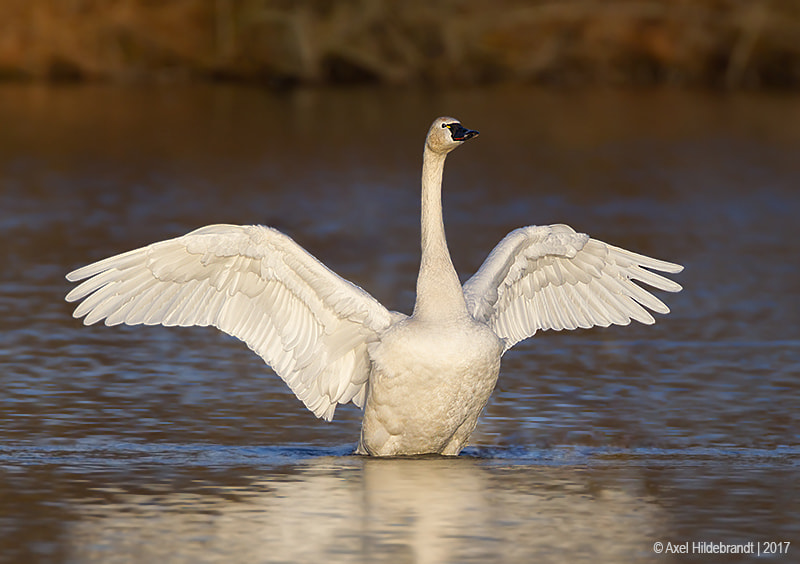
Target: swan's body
(429, 383)
(423, 379)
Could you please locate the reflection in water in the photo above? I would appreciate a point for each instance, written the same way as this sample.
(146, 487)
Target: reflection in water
(154, 444)
(354, 510)
(108, 502)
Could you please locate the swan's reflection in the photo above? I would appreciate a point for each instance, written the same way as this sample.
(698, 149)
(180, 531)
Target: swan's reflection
(397, 510)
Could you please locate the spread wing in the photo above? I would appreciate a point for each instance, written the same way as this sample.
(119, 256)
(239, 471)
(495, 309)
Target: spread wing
(255, 283)
(550, 277)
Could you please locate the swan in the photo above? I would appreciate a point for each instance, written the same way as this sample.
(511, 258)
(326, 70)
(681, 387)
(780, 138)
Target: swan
(422, 380)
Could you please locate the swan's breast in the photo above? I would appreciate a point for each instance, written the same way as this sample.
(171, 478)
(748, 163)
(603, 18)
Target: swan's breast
(436, 351)
(427, 381)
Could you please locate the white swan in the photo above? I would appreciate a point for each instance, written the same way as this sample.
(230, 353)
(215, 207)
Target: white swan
(423, 379)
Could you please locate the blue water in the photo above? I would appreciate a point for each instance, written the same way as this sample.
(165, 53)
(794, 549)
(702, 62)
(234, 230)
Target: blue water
(144, 444)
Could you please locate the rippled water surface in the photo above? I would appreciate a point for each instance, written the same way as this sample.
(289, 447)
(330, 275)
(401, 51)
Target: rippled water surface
(145, 444)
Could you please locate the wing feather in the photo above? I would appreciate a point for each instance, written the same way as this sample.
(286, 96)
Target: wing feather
(550, 277)
(253, 282)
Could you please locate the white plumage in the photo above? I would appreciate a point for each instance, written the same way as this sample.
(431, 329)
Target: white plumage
(423, 379)
(256, 284)
(551, 277)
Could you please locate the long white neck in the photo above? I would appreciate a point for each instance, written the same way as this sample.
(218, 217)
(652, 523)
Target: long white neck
(439, 293)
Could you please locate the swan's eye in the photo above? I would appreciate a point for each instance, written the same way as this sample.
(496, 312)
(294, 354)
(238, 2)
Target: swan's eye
(445, 125)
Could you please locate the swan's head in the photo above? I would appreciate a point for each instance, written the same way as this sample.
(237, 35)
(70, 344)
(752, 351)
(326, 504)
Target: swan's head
(446, 134)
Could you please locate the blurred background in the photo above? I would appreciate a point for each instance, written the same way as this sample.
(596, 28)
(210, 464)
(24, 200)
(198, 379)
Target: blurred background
(671, 128)
(722, 43)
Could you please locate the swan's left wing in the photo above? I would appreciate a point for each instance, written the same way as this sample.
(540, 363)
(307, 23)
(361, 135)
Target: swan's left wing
(550, 277)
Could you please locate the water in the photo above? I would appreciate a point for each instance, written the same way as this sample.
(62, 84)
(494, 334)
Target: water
(148, 444)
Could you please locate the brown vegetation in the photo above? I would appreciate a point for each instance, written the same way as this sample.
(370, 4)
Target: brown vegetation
(719, 42)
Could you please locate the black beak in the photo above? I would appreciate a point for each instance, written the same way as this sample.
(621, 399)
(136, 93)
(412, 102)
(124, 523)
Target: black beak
(460, 133)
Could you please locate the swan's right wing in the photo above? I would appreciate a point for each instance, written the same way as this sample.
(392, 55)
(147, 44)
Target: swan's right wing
(255, 283)
(550, 277)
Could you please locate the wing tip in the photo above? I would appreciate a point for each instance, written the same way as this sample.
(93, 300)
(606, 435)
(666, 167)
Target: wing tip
(667, 285)
(76, 275)
(672, 268)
